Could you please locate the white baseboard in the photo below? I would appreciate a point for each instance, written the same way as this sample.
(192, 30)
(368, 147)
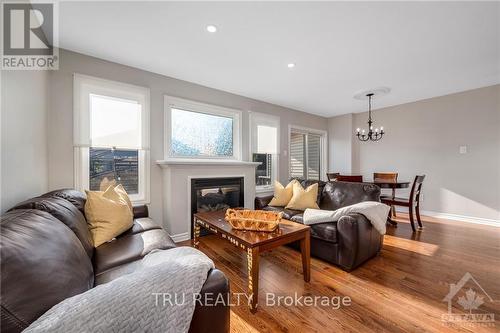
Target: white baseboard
(456, 217)
(463, 218)
(180, 237)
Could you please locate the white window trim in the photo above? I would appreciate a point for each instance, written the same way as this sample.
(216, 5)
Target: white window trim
(270, 120)
(171, 102)
(324, 146)
(83, 85)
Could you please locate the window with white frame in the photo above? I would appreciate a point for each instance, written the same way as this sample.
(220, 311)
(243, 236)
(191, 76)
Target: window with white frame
(201, 131)
(111, 135)
(307, 153)
(264, 148)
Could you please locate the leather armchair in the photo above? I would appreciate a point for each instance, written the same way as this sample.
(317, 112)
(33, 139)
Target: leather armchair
(358, 241)
(351, 240)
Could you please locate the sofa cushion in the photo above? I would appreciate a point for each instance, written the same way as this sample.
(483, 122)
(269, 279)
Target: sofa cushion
(116, 272)
(67, 213)
(129, 248)
(140, 225)
(299, 218)
(42, 263)
(77, 198)
(340, 194)
(287, 213)
(324, 231)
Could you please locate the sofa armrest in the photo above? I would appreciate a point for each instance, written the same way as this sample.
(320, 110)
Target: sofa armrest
(261, 202)
(214, 315)
(358, 240)
(140, 211)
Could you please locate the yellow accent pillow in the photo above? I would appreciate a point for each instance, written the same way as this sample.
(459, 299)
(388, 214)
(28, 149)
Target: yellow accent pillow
(282, 195)
(120, 193)
(106, 183)
(303, 199)
(108, 213)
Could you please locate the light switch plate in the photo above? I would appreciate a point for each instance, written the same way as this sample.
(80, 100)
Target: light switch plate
(463, 150)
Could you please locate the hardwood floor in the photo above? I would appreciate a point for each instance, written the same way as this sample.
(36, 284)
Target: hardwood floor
(401, 290)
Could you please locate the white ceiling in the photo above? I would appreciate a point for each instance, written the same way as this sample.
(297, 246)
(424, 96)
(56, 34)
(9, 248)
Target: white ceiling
(419, 50)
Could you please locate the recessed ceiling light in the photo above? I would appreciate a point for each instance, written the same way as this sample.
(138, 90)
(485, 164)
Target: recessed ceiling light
(211, 28)
(291, 65)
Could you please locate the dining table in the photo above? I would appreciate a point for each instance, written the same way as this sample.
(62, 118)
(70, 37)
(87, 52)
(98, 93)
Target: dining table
(390, 184)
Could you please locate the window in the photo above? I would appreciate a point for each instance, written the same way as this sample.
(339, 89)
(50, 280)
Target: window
(199, 134)
(307, 153)
(111, 135)
(197, 130)
(264, 148)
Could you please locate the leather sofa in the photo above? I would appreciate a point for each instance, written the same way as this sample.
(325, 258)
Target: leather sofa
(351, 240)
(47, 256)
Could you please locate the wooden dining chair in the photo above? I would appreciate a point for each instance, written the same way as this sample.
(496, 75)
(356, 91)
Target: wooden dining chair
(351, 179)
(332, 176)
(413, 202)
(387, 176)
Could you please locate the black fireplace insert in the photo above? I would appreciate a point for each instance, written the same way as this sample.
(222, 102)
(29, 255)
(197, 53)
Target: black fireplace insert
(213, 194)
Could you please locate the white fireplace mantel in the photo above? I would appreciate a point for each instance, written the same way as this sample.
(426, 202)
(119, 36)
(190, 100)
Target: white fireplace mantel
(177, 175)
(207, 162)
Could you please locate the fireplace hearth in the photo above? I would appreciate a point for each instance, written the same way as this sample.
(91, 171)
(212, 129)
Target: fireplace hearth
(213, 194)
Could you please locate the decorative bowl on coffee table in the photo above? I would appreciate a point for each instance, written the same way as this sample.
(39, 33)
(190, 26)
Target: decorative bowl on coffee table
(253, 220)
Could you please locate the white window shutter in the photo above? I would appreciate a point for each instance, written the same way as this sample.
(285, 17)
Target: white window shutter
(313, 156)
(297, 155)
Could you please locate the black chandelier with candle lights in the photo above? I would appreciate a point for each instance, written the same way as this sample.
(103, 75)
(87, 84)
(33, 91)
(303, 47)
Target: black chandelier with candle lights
(372, 134)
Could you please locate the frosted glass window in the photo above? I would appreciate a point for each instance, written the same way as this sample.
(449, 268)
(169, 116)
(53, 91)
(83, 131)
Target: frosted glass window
(267, 138)
(200, 134)
(114, 122)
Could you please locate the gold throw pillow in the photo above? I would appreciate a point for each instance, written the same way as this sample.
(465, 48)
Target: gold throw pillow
(106, 183)
(303, 198)
(108, 214)
(282, 195)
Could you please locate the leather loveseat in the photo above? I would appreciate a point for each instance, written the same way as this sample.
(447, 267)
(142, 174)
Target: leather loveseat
(47, 256)
(352, 239)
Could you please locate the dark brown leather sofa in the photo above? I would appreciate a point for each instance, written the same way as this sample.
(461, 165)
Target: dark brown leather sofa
(47, 256)
(351, 240)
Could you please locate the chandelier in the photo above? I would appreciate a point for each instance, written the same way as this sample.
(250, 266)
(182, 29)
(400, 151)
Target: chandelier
(372, 134)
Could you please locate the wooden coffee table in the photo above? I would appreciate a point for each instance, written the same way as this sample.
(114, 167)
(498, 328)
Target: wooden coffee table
(254, 242)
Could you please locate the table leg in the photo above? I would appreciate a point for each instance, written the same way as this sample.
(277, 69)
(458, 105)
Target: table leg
(305, 249)
(196, 234)
(393, 208)
(392, 222)
(253, 277)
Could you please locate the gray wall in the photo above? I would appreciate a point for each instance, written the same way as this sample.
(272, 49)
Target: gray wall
(60, 136)
(340, 141)
(424, 138)
(24, 136)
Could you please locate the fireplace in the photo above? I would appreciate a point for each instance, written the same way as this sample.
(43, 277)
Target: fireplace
(213, 194)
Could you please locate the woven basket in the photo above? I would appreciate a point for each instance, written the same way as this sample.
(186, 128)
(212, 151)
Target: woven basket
(255, 220)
